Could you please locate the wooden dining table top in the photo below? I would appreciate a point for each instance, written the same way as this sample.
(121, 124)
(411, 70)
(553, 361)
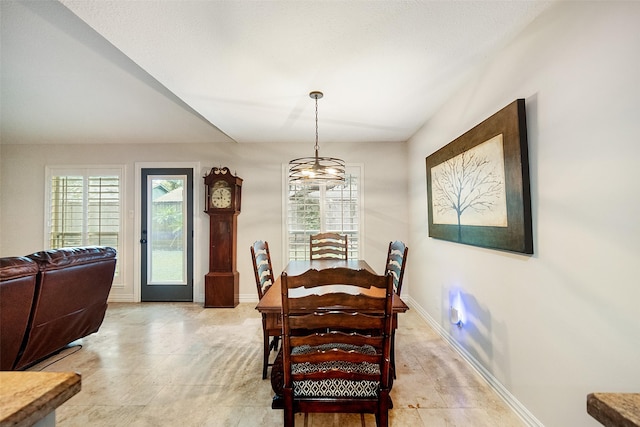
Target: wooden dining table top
(271, 301)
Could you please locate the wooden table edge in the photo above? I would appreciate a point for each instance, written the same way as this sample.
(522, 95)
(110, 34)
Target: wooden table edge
(615, 409)
(30, 410)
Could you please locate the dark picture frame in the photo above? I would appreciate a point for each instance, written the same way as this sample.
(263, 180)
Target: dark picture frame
(478, 188)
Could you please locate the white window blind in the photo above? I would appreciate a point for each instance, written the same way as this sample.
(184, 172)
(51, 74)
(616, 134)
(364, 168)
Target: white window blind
(316, 209)
(85, 207)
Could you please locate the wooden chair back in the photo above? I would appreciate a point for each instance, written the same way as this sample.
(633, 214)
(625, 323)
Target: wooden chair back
(262, 266)
(328, 246)
(337, 325)
(264, 279)
(396, 261)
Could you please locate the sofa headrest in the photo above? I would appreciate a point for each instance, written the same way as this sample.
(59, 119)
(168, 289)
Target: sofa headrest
(17, 267)
(64, 257)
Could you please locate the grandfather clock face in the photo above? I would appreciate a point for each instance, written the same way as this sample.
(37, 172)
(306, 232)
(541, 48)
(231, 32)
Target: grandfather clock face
(221, 195)
(224, 191)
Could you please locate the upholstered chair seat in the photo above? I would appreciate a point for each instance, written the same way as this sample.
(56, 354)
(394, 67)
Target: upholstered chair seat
(335, 387)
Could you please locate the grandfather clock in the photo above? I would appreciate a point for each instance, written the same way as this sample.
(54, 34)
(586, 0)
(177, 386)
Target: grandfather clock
(223, 195)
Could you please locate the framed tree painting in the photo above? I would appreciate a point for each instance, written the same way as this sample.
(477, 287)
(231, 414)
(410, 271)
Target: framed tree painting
(478, 185)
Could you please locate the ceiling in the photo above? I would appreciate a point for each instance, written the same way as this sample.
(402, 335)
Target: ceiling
(100, 71)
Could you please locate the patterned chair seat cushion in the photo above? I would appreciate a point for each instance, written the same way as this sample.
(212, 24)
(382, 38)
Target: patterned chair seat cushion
(332, 387)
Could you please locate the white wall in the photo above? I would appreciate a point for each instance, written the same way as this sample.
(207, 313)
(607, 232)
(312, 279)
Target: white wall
(22, 198)
(555, 326)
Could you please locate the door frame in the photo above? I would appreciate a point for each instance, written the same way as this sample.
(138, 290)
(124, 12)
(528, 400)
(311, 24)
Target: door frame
(199, 221)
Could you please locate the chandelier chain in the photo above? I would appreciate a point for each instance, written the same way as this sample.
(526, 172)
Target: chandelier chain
(316, 146)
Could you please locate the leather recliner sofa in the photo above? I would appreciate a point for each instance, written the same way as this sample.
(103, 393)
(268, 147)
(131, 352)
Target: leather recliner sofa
(17, 288)
(69, 301)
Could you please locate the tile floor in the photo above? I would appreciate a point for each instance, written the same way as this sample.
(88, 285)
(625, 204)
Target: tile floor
(178, 364)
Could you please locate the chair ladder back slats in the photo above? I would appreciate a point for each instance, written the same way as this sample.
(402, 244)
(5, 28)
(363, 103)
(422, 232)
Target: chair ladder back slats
(396, 262)
(361, 303)
(263, 272)
(328, 246)
(262, 268)
(347, 277)
(337, 321)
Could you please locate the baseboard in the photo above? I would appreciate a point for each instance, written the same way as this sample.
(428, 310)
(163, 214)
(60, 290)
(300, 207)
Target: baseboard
(249, 297)
(130, 298)
(492, 381)
(120, 298)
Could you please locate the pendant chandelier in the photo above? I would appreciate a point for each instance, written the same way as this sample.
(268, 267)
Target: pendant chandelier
(316, 169)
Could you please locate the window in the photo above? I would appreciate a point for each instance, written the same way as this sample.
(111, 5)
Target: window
(316, 209)
(84, 207)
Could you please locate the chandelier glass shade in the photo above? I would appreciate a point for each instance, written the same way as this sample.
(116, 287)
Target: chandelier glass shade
(316, 169)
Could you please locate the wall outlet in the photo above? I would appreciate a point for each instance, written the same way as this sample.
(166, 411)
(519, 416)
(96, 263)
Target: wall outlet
(454, 316)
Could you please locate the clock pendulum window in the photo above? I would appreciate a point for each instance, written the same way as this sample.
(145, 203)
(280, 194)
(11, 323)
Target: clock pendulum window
(223, 194)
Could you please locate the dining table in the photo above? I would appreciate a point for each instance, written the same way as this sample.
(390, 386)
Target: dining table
(271, 305)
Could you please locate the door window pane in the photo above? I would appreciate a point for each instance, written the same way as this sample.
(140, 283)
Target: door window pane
(167, 257)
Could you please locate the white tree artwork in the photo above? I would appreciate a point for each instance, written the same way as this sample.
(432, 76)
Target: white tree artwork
(469, 189)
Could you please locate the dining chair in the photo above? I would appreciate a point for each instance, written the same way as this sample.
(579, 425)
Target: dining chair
(264, 279)
(337, 325)
(396, 261)
(328, 246)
